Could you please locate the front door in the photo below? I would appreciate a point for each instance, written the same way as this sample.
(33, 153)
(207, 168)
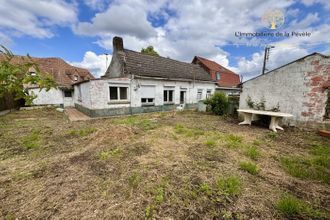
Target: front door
(182, 97)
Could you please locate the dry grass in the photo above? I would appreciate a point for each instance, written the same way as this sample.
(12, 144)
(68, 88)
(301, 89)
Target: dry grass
(182, 166)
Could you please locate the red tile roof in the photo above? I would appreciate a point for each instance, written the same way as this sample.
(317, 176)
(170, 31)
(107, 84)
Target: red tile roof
(64, 74)
(228, 77)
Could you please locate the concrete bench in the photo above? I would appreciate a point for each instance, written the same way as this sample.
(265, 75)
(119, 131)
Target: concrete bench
(275, 116)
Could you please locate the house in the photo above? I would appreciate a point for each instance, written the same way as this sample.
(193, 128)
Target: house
(138, 83)
(64, 74)
(227, 80)
(301, 88)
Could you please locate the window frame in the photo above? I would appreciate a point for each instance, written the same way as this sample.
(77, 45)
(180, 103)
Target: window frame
(216, 76)
(119, 99)
(148, 102)
(167, 91)
(199, 93)
(208, 93)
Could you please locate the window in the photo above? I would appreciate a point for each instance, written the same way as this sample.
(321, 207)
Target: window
(148, 94)
(208, 93)
(79, 93)
(199, 94)
(32, 73)
(75, 78)
(118, 93)
(168, 96)
(67, 93)
(148, 101)
(218, 76)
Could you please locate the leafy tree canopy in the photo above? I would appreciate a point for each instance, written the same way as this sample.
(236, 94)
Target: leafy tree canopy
(15, 76)
(150, 51)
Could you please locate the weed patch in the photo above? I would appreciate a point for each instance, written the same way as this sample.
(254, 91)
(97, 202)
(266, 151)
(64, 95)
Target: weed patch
(230, 186)
(291, 206)
(105, 155)
(233, 141)
(253, 152)
(249, 167)
(32, 141)
(81, 132)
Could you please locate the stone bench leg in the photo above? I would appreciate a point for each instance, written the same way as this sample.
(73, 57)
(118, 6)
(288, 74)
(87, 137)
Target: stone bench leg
(274, 124)
(247, 119)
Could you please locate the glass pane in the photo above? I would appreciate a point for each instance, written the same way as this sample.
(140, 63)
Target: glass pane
(143, 100)
(170, 96)
(123, 92)
(150, 100)
(113, 93)
(165, 95)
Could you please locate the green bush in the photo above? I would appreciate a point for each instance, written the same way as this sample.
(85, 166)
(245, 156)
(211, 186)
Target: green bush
(217, 103)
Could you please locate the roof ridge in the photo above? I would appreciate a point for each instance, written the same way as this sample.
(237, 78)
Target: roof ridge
(162, 57)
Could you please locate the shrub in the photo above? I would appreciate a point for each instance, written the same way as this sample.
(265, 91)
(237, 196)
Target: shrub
(217, 103)
(249, 167)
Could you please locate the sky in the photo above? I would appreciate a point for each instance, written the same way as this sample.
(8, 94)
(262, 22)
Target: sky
(81, 31)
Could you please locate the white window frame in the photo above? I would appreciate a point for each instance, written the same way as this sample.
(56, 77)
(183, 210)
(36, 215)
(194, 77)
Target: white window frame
(199, 94)
(118, 93)
(208, 93)
(168, 95)
(147, 103)
(217, 74)
(79, 93)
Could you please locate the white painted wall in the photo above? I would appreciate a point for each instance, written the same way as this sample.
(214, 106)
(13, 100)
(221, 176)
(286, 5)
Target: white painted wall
(98, 91)
(51, 97)
(289, 86)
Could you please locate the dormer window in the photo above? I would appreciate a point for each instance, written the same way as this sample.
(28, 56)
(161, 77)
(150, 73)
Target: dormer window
(218, 76)
(75, 77)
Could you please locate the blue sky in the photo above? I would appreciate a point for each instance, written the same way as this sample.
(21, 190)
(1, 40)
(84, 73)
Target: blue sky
(81, 31)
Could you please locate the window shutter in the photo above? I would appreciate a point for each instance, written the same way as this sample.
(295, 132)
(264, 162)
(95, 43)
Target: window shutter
(148, 91)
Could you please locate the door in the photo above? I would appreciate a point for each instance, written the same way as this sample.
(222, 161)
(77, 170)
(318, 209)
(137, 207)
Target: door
(68, 101)
(182, 97)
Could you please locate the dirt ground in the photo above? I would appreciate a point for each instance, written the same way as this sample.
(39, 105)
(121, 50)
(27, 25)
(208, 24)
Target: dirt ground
(158, 165)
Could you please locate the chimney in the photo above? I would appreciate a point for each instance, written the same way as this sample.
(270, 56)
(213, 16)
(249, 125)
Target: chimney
(117, 43)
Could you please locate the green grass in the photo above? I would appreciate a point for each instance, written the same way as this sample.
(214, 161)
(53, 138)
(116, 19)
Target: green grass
(206, 189)
(272, 135)
(305, 168)
(105, 155)
(230, 186)
(81, 132)
(249, 167)
(32, 141)
(134, 180)
(290, 206)
(136, 121)
(210, 143)
(253, 152)
(233, 141)
(188, 132)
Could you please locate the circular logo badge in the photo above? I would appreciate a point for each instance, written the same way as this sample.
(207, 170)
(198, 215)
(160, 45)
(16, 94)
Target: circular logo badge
(273, 19)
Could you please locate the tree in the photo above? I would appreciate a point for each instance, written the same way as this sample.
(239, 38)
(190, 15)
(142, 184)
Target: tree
(150, 51)
(14, 76)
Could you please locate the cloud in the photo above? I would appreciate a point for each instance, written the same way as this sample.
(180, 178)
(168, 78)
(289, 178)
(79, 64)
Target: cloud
(183, 29)
(96, 64)
(35, 18)
(97, 5)
(119, 19)
(278, 57)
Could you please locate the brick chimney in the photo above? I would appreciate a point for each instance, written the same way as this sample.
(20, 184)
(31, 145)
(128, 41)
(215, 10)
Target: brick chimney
(117, 43)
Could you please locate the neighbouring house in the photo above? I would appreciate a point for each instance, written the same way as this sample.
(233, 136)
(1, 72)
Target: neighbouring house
(64, 74)
(138, 83)
(227, 80)
(301, 88)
